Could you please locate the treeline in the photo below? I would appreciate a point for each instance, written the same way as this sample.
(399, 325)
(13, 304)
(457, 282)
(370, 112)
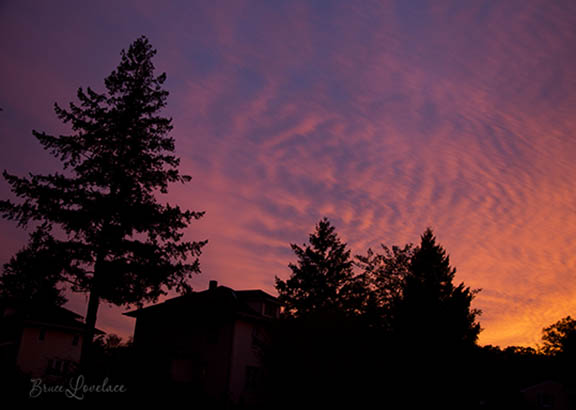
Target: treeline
(407, 291)
(392, 327)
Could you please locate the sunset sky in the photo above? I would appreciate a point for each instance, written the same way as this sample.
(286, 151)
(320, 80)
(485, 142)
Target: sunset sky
(385, 116)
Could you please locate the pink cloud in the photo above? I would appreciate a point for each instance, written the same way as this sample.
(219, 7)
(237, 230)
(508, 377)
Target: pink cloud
(385, 118)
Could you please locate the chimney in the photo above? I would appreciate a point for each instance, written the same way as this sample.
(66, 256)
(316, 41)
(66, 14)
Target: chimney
(213, 285)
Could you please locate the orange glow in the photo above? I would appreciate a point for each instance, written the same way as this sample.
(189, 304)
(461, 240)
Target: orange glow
(384, 118)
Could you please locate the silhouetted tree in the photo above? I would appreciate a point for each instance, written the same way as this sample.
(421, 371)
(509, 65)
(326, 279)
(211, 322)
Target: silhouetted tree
(320, 347)
(108, 342)
(321, 279)
(560, 337)
(559, 346)
(127, 247)
(415, 325)
(382, 276)
(32, 276)
(432, 310)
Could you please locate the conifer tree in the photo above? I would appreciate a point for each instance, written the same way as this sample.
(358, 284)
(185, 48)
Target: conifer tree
(432, 310)
(321, 277)
(125, 247)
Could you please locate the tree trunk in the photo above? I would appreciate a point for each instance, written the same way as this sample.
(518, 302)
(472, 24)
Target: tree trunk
(90, 329)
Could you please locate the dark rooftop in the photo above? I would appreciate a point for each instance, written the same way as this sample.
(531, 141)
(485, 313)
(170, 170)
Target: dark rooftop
(44, 315)
(221, 298)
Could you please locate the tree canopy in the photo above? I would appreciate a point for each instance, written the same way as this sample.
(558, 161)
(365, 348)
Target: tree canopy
(124, 245)
(399, 318)
(560, 337)
(382, 276)
(432, 308)
(320, 279)
(408, 291)
(33, 275)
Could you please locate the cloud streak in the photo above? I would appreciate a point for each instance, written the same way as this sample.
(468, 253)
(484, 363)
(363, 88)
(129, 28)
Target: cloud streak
(387, 117)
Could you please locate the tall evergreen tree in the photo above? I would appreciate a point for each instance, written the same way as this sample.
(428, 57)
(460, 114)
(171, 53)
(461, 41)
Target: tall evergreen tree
(432, 310)
(321, 277)
(126, 247)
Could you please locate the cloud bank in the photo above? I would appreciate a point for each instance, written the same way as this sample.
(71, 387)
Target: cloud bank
(386, 117)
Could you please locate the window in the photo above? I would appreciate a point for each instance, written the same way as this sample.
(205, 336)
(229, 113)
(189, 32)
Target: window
(259, 337)
(42, 334)
(75, 340)
(57, 367)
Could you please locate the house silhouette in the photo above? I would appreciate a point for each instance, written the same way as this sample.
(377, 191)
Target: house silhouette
(208, 344)
(40, 341)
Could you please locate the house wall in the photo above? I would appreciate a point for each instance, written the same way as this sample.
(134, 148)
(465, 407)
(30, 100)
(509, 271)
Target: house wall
(34, 354)
(246, 361)
(205, 346)
(187, 350)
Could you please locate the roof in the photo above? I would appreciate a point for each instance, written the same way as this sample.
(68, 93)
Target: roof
(256, 293)
(221, 299)
(45, 316)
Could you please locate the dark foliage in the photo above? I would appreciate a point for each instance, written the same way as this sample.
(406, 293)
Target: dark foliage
(560, 338)
(402, 334)
(124, 246)
(432, 311)
(382, 276)
(321, 278)
(33, 275)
